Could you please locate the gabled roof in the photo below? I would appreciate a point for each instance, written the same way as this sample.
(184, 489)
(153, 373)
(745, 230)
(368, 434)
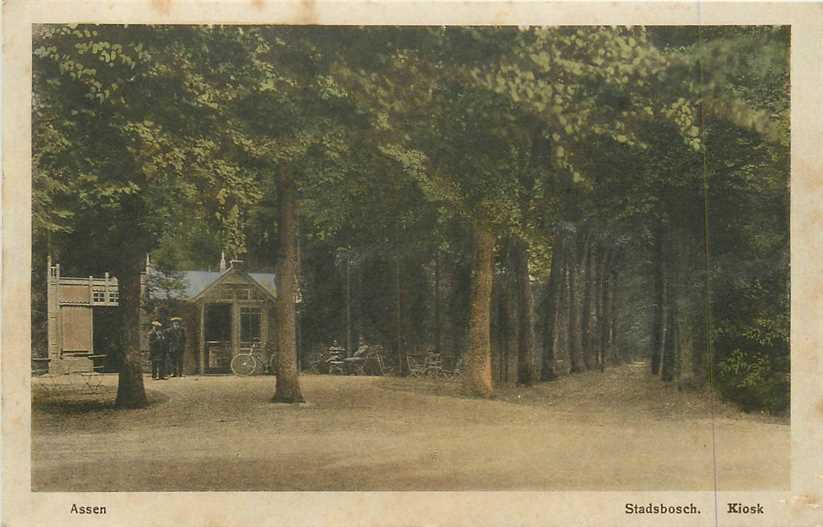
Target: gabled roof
(195, 283)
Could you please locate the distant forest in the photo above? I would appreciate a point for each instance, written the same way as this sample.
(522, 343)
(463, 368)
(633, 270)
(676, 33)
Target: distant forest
(537, 201)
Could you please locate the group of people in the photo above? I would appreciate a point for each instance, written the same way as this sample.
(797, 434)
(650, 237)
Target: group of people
(166, 347)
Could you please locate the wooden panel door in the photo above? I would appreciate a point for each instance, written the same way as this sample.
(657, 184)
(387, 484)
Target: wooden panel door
(77, 329)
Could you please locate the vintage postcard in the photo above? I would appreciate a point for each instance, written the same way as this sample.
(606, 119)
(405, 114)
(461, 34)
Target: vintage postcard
(411, 263)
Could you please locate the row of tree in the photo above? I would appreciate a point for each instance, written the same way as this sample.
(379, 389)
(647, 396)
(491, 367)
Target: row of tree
(562, 194)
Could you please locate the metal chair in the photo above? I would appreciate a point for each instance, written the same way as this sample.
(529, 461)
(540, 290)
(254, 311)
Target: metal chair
(417, 368)
(434, 365)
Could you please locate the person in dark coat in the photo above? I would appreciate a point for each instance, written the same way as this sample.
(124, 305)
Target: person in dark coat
(157, 351)
(176, 339)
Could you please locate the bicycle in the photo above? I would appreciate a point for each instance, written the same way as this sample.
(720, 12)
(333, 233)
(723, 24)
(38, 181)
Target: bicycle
(245, 363)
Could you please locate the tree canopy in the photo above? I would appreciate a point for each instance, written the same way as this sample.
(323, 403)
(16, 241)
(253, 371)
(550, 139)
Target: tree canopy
(540, 200)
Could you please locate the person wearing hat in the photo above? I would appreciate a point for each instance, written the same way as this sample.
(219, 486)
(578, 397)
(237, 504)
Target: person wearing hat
(176, 340)
(157, 351)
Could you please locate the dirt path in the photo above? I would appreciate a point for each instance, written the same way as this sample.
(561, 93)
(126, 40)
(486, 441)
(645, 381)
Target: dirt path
(595, 431)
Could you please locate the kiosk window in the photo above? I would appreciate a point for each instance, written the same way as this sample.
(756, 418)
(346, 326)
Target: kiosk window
(250, 319)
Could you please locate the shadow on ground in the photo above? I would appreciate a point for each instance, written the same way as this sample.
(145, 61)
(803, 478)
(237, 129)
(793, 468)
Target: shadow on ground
(67, 401)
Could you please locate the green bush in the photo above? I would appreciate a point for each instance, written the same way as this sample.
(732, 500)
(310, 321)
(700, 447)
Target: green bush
(755, 381)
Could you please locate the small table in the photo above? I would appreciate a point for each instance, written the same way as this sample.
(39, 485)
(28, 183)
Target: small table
(355, 365)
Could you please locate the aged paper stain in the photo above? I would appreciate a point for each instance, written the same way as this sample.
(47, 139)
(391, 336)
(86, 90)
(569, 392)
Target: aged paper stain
(307, 12)
(161, 6)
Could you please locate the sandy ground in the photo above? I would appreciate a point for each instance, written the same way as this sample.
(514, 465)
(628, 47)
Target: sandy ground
(618, 430)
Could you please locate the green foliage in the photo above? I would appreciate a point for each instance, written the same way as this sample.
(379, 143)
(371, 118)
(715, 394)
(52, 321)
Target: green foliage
(755, 381)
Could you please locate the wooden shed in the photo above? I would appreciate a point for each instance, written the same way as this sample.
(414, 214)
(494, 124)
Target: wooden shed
(71, 302)
(224, 312)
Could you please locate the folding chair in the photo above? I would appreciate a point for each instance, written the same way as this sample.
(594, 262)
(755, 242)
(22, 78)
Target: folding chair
(434, 365)
(416, 367)
(376, 354)
(92, 378)
(457, 369)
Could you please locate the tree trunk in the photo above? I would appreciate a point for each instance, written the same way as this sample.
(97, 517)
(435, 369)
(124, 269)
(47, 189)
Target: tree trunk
(575, 356)
(614, 352)
(400, 351)
(357, 303)
(669, 358)
(511, 318)
(605, 323)
(526, 356)
(598, 327)
(622, 352)
(437, 321)
(668, 361)
(689, 304)
(658, 318)
(287, 386)
(477, 378)
(700, 318)
(589, 358)
(561, 339)
(498, 335)
(130, 390)
(504, 328)
(553, 287)
(699, 343)
(348, 305)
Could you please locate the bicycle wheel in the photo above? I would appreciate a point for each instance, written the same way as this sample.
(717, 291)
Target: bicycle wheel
(243, 364)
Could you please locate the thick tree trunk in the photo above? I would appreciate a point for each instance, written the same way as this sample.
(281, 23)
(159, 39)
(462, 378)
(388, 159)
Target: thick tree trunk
(477, 379)
(553, 288)
(130, 390)
(287, 387)
(526, 354)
